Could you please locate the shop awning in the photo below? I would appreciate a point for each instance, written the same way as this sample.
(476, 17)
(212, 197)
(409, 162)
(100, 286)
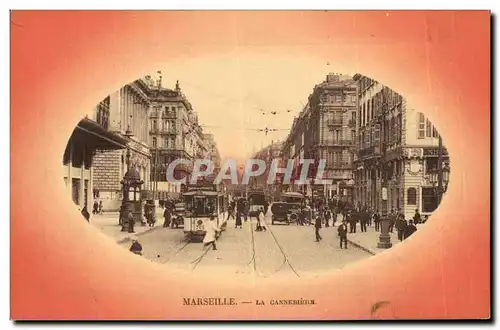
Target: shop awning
(99, 137)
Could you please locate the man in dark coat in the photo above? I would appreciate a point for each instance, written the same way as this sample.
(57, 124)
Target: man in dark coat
(417, 218)
(376, 220)
(363, 220)
(317, 227)
(392, 220)
(342, 231)
(401, 226)
(409, 230)
(351, 218)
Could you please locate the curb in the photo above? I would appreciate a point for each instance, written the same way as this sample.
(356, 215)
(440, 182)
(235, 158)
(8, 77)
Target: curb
(128, 238)
(359, 246)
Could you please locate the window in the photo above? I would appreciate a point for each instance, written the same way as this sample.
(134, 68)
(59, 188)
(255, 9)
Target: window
(421, 125)
(429, 200)
(363, 116)
(435, 132)
(431, 164)
(167, 143)
(154, 142)
(338, 98)
(353, 135)
(353, 116)
(428, 130)
(368, 111)
(412, 196)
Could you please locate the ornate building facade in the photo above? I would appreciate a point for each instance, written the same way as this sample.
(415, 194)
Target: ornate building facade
(128, 114)
(325, 129)
(397, 149)
(174, 133)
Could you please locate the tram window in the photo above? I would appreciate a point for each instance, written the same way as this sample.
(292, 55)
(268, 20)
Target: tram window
(203, 205)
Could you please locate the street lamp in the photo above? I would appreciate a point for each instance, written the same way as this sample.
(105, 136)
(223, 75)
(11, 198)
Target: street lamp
(439, 178)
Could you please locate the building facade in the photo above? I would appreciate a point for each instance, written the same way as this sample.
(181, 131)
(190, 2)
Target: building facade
(174, 133)
(397, 148)
(128, 115)
(325, 129)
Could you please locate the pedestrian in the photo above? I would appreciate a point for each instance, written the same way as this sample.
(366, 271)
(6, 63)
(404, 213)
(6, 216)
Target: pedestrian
(370, 216)
(409, 230)
(167, 216)
(266, 207)
(363, 220)
(317, 227)
(131, 222)
(376, 220)
(95, 208)
(417, 218)
(400, 226)
(392, 220)
(352, 221)
(150, 218)
(328, 215)
(238, 220)
(261, 220)
(342, 231)
(101, 209)
(211, 234)
(246, 209)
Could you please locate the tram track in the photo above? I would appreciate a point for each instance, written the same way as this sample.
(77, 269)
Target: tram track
(286, 259)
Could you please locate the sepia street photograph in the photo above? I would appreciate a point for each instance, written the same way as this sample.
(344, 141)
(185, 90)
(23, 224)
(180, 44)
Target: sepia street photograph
(383, 168)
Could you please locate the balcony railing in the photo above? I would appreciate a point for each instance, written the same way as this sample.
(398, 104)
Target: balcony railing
(338, 142)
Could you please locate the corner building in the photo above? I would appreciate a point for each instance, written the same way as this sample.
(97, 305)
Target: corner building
(397, 147)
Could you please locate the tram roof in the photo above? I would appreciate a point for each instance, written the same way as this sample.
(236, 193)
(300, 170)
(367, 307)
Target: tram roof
(201, 193)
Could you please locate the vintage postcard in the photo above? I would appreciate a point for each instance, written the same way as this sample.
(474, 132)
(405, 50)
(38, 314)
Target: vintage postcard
(250, 165)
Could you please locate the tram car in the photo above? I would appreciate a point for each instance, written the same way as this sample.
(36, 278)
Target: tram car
(256, 200)
(200, 204)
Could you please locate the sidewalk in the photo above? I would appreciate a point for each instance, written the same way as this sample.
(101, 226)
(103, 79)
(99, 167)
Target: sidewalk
(368, 241)
(108, 224)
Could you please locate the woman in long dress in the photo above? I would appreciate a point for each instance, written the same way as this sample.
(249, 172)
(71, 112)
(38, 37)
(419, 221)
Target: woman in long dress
(238, 220)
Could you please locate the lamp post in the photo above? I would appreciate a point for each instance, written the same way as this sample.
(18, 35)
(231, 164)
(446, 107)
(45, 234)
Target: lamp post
(384, 238)
(126, 184)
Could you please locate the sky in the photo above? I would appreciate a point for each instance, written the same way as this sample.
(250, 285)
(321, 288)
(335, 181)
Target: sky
(230, 91)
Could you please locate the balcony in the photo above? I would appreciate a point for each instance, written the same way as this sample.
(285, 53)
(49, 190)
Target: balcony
(334, 122)
(339, 166)
(338, 143)
(154, 114)
(370, 152)
(351, 123)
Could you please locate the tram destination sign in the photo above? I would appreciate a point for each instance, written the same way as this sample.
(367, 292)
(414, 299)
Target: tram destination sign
(202, 187)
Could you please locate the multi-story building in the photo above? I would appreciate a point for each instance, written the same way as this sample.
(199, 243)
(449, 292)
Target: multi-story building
(128, 115)
(267, 154)
(213, 151)
(174, 133)
(397, 147)
(325, 129)
(90, 137)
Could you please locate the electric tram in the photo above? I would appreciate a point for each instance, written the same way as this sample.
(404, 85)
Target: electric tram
(202, 201)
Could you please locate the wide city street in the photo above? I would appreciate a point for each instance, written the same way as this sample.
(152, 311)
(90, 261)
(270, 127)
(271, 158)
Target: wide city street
(288, 250)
